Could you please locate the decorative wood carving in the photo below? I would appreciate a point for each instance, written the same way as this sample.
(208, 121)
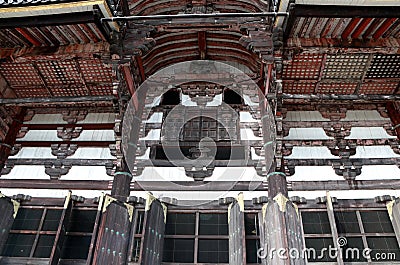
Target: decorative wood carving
(22, 132)
(62, 151)
(333, 113)
(15, 149)
(57, 169)
(110, 168)
(68, 133)
(348, 170)
(260, 42)
(73, 116)
(338, 130)
(6, 168)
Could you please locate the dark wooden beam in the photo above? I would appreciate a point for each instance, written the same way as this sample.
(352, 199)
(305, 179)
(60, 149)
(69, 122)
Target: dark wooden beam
(70, 161)
(324, 97)
(84, 126)
(387, 184)
(358, 142)
(54, 100)
(142, 73)
(48, 20)
(330, 162)
(79, 143)
(307, 124)
(202, 42)
(338, 11)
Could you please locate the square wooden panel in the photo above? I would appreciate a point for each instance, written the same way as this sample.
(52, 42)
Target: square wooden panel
(69, 91)
(100, 90)
(303, 66)
(378, 87)
(31, 92)
(20, 74)
(95, 72)
(340, 88)
(384, 66)
(345, 66)
(59, 72)
(299, 87)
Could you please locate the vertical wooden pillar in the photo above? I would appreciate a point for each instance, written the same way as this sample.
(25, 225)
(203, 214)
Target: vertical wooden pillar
(10, 137)
(61, 231)
(113, 236)
(8, 210)
(121, 185)
(154, 225)
(281, 235)
(237, 233)
(393, 208)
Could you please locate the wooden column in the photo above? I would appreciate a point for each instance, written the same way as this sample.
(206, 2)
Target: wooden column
(154, 225)
(121, 185)
(61, 231)
(10, 138)
(277, 184)
(113, 235)
(8, 210)
(393, 109)
(281, 235)
(237, 233)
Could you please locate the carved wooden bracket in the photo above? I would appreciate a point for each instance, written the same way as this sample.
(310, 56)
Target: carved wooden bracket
(333, 113)
(343, 148)
(395, 145)
(259, 42)
(383, 111)
(62, 151)
(22, 132)
(21, 197)
(287, 149)
(390, 130)
(110, 168)
(289, 170)
(15, 149)
(73, 116)
(137, 41)
(68, 133)
(29, 115)
(199, 173)
(338, 130)
(57, 169)
(348, 170)
(6, 168)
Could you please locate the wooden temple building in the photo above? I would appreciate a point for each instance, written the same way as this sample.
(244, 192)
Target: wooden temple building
(199, 132)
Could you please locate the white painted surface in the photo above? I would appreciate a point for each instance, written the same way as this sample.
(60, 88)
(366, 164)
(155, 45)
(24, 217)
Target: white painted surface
(307, 134)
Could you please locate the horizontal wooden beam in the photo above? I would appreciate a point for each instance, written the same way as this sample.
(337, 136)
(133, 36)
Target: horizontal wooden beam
(391, 184)
(308, 124)
(48, 20)
(84, 126)
(71, 161)
(324, 97)
(358, 142)
(330, 162)
(55, 100)
(78, 143)
(345, 11)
